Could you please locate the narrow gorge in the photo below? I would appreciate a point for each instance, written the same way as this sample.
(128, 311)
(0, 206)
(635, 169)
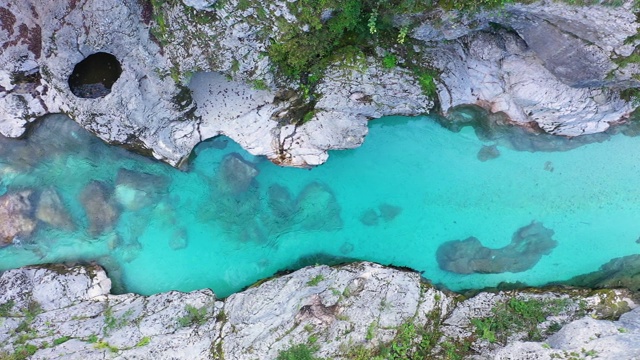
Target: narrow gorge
(206, 179)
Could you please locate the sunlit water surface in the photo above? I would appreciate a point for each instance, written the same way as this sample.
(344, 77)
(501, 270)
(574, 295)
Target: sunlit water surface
(588, 196)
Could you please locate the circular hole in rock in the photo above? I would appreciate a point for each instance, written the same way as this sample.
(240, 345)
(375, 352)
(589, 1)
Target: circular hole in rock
(94, 76)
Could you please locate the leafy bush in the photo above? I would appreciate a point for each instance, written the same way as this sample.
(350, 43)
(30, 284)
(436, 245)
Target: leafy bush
(61, 340)
(195, 316)
(425, 79)
(365, 24)
(389, 61)
(316, 279)
(112, 322)
(517, 315)
(5, 309)
(144, 341)
(299, 352)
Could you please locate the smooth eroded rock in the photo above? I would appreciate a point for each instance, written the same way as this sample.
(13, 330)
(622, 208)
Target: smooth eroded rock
(15, 217)
(101, 213)
(318, 208)
(51, 210)
(236, 174)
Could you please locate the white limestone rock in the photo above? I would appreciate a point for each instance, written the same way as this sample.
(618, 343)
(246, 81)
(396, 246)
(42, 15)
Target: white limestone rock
(74, 303)
(367, 89)
(48, 38)
(262, 120)
(70, 314)
(206, 5)
(500, 73)
(586, 338)
(336, 304)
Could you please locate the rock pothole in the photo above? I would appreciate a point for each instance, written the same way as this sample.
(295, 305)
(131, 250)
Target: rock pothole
(94, 76)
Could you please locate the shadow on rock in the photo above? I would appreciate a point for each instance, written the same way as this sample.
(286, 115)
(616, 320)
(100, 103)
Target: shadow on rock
(498, 127)
(469, 256)
(619, 272)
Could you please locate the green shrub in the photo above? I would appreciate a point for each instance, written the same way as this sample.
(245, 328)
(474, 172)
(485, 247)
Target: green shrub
(105, 345)
(93, 338)
(24, 351)
(5, 309)
(299, 352)
(112, 322)
(144, 341)
(195, 316)
(389, 61)
(259, 84)
(315, 281)
(428, 85)
(517, 315)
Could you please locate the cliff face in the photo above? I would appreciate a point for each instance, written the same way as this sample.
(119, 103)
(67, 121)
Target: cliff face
(558, 66)
(361, 309)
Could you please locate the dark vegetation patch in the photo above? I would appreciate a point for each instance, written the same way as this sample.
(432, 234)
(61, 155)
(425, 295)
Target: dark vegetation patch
(332, 30)
(146, 11)
(520, 316)
(7, 20)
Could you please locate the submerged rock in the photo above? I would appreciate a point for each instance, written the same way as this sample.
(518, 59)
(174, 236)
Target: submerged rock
(619, 272)
(281, 202)
(318, 208)
(235, 174)
(235, 201)
(488, 153)
(252, 231)
(369, 217)
(52, 210)
(469, 256)
(346, 248)
(179, 239)
(101, 213)
(130, 250)
(389, 212)
(15, 217)
(545, 63)
(504, 131)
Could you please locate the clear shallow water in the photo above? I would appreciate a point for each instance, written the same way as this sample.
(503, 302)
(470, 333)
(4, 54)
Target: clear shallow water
(590, 200)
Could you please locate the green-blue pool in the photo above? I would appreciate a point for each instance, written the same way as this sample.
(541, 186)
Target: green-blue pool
(412, 186)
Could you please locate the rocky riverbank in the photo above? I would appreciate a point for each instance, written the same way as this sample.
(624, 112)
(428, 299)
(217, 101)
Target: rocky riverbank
(557, 68)
(355, 311)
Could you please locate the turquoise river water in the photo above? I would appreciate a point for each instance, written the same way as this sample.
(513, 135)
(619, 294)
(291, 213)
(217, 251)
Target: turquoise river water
(189, 234)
